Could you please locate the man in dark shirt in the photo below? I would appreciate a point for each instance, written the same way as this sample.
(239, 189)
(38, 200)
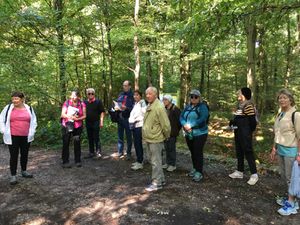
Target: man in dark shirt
(125, 104)
(94, 121)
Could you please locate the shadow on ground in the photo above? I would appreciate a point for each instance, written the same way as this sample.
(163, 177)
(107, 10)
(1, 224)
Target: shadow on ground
(106, 191)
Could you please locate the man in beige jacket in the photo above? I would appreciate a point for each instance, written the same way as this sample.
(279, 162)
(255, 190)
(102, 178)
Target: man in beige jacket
(156, 130)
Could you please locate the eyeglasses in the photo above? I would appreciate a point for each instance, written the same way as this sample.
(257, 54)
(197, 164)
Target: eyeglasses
(90, 93)
(194, 96)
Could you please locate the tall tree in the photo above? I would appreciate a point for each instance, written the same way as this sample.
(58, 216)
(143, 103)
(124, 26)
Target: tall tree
(136, 46)
(58, 8)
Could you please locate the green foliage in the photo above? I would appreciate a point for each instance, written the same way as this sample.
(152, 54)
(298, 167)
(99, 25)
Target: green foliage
(95, 32)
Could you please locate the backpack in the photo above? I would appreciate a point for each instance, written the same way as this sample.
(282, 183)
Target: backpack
(198, 113)
(253, 126)
(207, 106)
(5, 120)
(293, 117)
(67, 105)
(114, 115)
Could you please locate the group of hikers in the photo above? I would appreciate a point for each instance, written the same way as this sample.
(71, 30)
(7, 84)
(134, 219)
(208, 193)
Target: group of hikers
(156, 124)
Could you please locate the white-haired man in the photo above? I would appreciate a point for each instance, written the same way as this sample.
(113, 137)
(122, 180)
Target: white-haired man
(94, 121)
(155, 131)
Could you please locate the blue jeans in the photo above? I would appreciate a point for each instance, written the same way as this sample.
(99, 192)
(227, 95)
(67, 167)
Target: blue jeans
(93, 131)
(138, 144)
(123, 124)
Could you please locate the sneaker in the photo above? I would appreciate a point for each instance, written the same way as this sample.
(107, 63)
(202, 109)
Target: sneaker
(153, 187)
(282, 200)
(121, 155)
(236, 175)
(192, 172)
(137, 166)
(98, 155)
(26, 174)
(133, 164)
(287, 209)
(171, 168)
(165, 166)
(78, 164)
(66, 165)
(90, 155)
(253, 179)
(197, 177)
(13, 180)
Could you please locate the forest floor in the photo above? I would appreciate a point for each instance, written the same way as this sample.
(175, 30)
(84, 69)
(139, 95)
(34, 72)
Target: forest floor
(107, 191)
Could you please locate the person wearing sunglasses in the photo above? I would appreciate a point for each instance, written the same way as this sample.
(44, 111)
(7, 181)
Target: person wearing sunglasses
(194, 123)
(95, 113)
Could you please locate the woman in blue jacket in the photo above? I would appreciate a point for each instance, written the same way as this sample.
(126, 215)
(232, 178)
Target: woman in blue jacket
(194, 122)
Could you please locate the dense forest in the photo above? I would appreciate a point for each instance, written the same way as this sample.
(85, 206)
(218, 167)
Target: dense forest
(49, 47)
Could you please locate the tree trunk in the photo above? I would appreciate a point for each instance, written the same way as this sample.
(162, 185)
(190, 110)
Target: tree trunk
(136, 47)
(288, 54)
(161, 75)
(58, 7)
(251, 39)
(103, 83)
(263, 68)
(202, 75)
(184, 73)
(110, 63)
(149, 69)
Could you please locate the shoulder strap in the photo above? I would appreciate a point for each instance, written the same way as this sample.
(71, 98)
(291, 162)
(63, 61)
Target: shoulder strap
(7, 113)
(293, 117)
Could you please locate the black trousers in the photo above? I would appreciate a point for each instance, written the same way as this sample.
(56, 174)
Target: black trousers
(196, 148)
(93, 130)
(243, 147)
(19, 144)
(66, 136)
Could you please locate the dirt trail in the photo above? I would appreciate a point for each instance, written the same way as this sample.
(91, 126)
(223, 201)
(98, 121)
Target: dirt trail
(106, 191)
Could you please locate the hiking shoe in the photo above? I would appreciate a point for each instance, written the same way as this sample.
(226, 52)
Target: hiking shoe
(165, 166)
(192, 173)
(236, 175)
(66, 165)
(253, 179)
(171, 168)
(281, 201)
(197, 176)
(78, 164)
(153, 187)
(287, 209)
(26, 174)
(137, 166)
(13, 180)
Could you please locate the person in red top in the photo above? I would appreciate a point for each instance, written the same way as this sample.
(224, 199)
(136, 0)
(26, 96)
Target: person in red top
(18, 125)
(73, 113)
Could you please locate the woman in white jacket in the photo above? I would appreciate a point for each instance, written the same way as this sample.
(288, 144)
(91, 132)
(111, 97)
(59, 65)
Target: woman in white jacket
(18, 125)
(135, 123)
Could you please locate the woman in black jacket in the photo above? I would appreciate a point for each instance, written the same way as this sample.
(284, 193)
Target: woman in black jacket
(245, 123)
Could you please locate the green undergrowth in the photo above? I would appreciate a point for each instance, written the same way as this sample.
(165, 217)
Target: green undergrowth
(219, 142)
